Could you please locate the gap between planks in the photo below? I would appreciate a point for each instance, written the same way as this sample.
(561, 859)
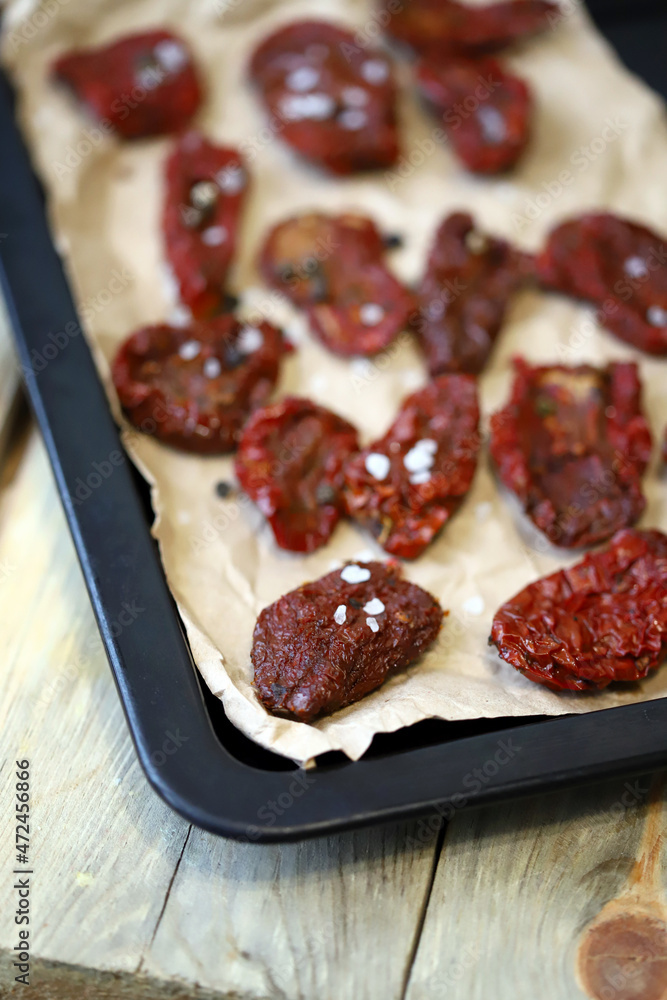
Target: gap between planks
(421, 919)
(165, 901)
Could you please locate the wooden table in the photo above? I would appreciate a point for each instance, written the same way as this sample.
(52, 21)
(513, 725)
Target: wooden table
(129, 901)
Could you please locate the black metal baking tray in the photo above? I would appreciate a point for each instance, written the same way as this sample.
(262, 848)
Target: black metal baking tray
(194, 758)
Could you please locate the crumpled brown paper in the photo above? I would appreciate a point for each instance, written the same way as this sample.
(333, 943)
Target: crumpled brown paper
(599, 141)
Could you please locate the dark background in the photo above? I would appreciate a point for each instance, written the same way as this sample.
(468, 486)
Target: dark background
(638, 31)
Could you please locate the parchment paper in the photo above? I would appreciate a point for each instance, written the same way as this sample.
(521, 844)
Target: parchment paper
(599, 141)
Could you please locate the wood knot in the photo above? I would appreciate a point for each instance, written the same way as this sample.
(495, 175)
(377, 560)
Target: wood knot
(625, 958)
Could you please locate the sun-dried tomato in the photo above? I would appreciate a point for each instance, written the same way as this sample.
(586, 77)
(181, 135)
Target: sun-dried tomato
(331, 642)
(290, 462)
(618, 265)
(404, 487)
(603, 620)
(332, 100)
(206, 187)
(572, 444)
(470, 278)
(141, 85)
(333, 268)
(441, 25)
(194, 387)
(485, 111)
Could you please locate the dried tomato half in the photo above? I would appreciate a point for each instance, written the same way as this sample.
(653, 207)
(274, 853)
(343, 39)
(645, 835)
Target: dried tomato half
(206, 187)
(405, 487)
(572, 444)
(330, 99)
(142, 85)
(469, 280)
(194, 387)
(603, 620)
(290, 462)
(333, 268)
(331, 642)
(618, 265)
(485, 111)
(440, 25)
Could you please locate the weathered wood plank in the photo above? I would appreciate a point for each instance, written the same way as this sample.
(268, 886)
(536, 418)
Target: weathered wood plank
(517, 886)
(104, 847)
(333, 917)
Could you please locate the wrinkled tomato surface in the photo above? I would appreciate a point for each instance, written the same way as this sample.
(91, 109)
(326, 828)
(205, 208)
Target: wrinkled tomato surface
(141, 85)
(331, 642)
(618, 265)
(290, 462)
(442, 25)
(469, 281)
(332, 100)
(206, 186)
(485, 111)
(333, 268)
(572, 444)
(603, 620)
(194, 387)
(404, 487)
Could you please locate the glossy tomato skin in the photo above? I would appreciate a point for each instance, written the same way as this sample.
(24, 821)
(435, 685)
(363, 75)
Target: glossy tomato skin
(603, 620)
(141, 85)
(491, 137)
(194, 387)
(333, 268)
(447, 26)
(618, 265)
(469, 282)
(572, 444)
(205, 192)
(404, 487)
(331, 642)
(331, 99)
(290, 462)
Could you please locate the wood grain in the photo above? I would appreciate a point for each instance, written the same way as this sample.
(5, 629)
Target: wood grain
(333, 917)
(517, 885)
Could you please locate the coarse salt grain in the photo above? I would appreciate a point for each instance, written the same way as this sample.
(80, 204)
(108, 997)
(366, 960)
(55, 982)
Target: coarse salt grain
(635, 267)
(374, 606)
(231, 179)
(250, 339)
(353, 120)
(375, 70)
(189, 350)
(316, 107)
(493, 124)
(657, 316)
(474, 605)
(212, 367)
(340, 614)
(171, 56)
(377, 465)
(372, 624)
(355, 574)
(356, 97)
(419, 458)
(370, 313)
(214, 236)
(302, 79)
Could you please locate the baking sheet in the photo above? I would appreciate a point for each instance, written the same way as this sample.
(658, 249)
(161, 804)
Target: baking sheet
(599, 141)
